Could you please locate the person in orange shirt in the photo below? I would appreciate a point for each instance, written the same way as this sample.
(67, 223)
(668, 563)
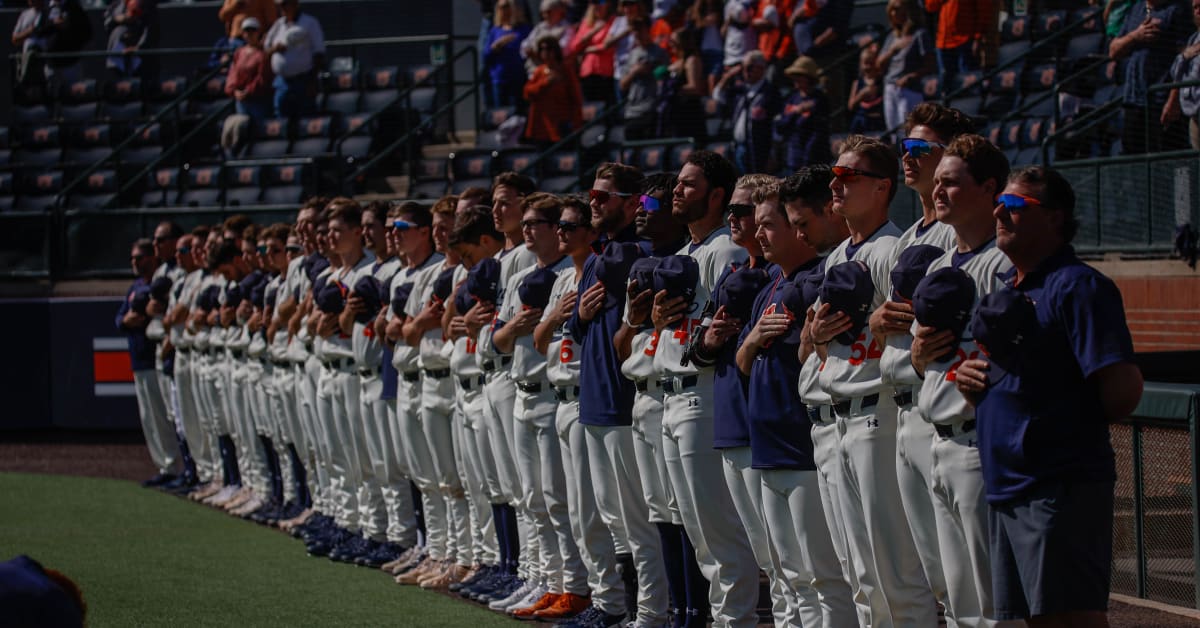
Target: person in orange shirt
(667, 20)
(234, 12)
(555, 101)
(961, 33)
(594, 58)
(774, 39)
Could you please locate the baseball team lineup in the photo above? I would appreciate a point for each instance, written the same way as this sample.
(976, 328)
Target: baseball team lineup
(629, 406)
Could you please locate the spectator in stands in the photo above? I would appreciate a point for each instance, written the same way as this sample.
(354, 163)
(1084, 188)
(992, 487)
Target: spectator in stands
(866, 95)
(1154, 32)
(1185, 102)
(962, 31)
(620, 35)
(803, 126)
(819, 29)
(774, 38)
(668, 17)
(248, 84)
(296, 44)
(680, 110)
(132, 25)
(502, 54)
(233, 14)
(58, 27)
(1114, 16)
(594, 58)
(31, 30)
(555, 100)
(906, 56)
(554, 22)
(708, 17)
(639, 82)
(754, 102)
(738, 31)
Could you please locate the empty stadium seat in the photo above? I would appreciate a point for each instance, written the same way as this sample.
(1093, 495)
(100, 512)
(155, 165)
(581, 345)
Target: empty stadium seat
(269, 139)
(166, 91)
(203, 187)
(313, 136)
(40, 146)
(615, 135)
(678, 155)
(1046, 23)
(243, 185)
(40, 191)
(1015, 28)
(162, 188)
(1003, 90)
(560, 171)
(1090, 19)
(1085, 46)
(5, 149)
(7, 191)
(123, 99)
(356, 134)
(724, 149)
(931, 87)
(79, 101)
(381, 88)
(146, 146)
(1039, 84)
(470, 168)
(89, 144)
(591, 109)
(650, 158)
(429, 178)
(489, 122)
(342, 94)
(97, 192)
(286, 184)
(515, 159)
(210, 99)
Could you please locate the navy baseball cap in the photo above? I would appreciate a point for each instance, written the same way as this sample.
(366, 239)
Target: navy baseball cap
(331, 297)
(536, 287)
(613, 267)
(314, 265)
(400, 297)
(160, 289)
(463, 299)
(367, 288)
(678, 275)
(1004, 324)
(140, 300)
(234, 295)
(810, 285)
(443, 286)
(207, 299)
(738, 291)
(29, 597)
(642, 272)
(848, 288)
(943, 300)
(911, 268)
(258, 294)
(483, 282)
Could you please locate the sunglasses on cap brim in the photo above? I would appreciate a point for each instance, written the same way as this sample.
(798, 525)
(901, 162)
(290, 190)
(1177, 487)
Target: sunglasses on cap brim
(917, 148)
(1016, 202)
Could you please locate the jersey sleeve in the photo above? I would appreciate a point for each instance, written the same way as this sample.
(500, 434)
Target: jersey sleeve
(1093, 317)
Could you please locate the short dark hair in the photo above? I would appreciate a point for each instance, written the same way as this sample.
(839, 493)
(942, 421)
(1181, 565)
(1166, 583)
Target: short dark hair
(548, 206)
(517, 181)
(810, 185)
(664, 182)
(718, 171)
(174, 231)
(237, 223)
(984, 161)
(627, 179)
(471, 225)
(417, 213)
(881, 157)
(378, 209)
(278, 231)
(144, 246)
(225, 253)
(251, 233)
(345, 209)
(201, 233)
(483, 195)
(1055, 192)
(947, 122)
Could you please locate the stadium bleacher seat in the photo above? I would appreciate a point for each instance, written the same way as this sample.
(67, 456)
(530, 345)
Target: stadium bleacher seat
(1002, 93)
(342, 94)
(79, 101)
(650, 158)
(313, 136)
(1047, 23)
(123, 99)
(969, 87)
(615, 135)
(146, 146)
(7, 190)
(470, 168)
(5, 148)
(1091, 19)
(203, 187)
(931, 87)
(166, 91)
(269, 139)
(678, 155)
(1039, 81)
(98, 191)
(286, 184)
(515, 159)
(40, 191)
(356, 134)
(88, 144)
(382, 88)
(560, 171)
(430, 178)
(423, 98)
(489, 124)
(243, 185)
(210, 99)
(725, 149)
(591, 109)
(40, 146)
(162, 188)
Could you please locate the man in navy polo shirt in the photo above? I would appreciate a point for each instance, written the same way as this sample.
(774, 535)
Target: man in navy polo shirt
(1050, 493)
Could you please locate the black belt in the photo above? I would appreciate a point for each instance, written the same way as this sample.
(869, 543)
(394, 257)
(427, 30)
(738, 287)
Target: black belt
(308, 346)
(490, 365)
(411, 376)
(814, 415)
(684, 383)
(182, 350)
(950, 431)
(339, 364)
(475, 381)
(531, 388)
(643, 385)
(365, 372)
(903, 398)
(843, 407)
(437, 373)
(281, 363)
(566, 393)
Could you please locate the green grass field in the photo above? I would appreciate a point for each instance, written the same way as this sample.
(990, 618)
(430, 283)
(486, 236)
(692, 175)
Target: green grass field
(144, 558)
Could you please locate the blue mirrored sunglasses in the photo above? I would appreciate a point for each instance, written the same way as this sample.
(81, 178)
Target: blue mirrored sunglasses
(918, 148)
(1016, 202)
(650, 204)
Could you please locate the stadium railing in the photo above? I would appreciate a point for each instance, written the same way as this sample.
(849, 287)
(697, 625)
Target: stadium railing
(1156, 528)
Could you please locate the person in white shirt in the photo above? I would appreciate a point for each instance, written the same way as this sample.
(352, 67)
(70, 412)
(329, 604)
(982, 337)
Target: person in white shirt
(296, 45)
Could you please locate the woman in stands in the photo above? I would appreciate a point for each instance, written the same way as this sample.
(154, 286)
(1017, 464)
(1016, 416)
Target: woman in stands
(594, 58)
(555, 101)
(681, 113)
(502, 54)
(907, 55)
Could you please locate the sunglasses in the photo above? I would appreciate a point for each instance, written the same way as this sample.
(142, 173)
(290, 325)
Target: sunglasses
(918, 148)
(293, 248)
(740, 210)
(846, 173)
(533, 222)
(183, 250)
(137, 258)
(403, 225)
(567, 226)
(650, 204)
(602, 197)
(1016, 202)
(158, 239)
(262, 250)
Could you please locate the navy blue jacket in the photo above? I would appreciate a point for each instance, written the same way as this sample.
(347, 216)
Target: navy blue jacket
(729, 416)
(805, 136)
(141, 350)
(761, 107)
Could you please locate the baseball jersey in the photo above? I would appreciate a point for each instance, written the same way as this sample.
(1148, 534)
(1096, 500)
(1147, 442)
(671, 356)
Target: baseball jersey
(562, 355)
(1046, 423)
(853, 370)
(429, 349)
(715, 253)
(896, 364)
(938, 398)
(777, 421)
(339, 345)
(528, 364)
(369, 349)
(183, 293)
(518, 259)
(463, 359)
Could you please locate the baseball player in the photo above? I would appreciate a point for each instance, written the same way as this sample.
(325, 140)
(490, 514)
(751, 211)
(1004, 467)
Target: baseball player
(890, 579)
(943, 303)
(168, 273)
(538, 458)
(928, 129)
(702, 193)
(1050, 493)
(584, 569)
(770, 355)
(183, 294)
(731, 432)
(228, 268)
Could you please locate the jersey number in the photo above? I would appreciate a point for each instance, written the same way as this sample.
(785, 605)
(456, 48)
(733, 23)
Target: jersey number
(652, 346)
(860, 352)
(684, 333)
(565, 352)
(471, 346)
(963, 356)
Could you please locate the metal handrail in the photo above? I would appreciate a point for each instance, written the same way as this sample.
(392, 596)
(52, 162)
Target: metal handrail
(1082, 123)
(1159, 87)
